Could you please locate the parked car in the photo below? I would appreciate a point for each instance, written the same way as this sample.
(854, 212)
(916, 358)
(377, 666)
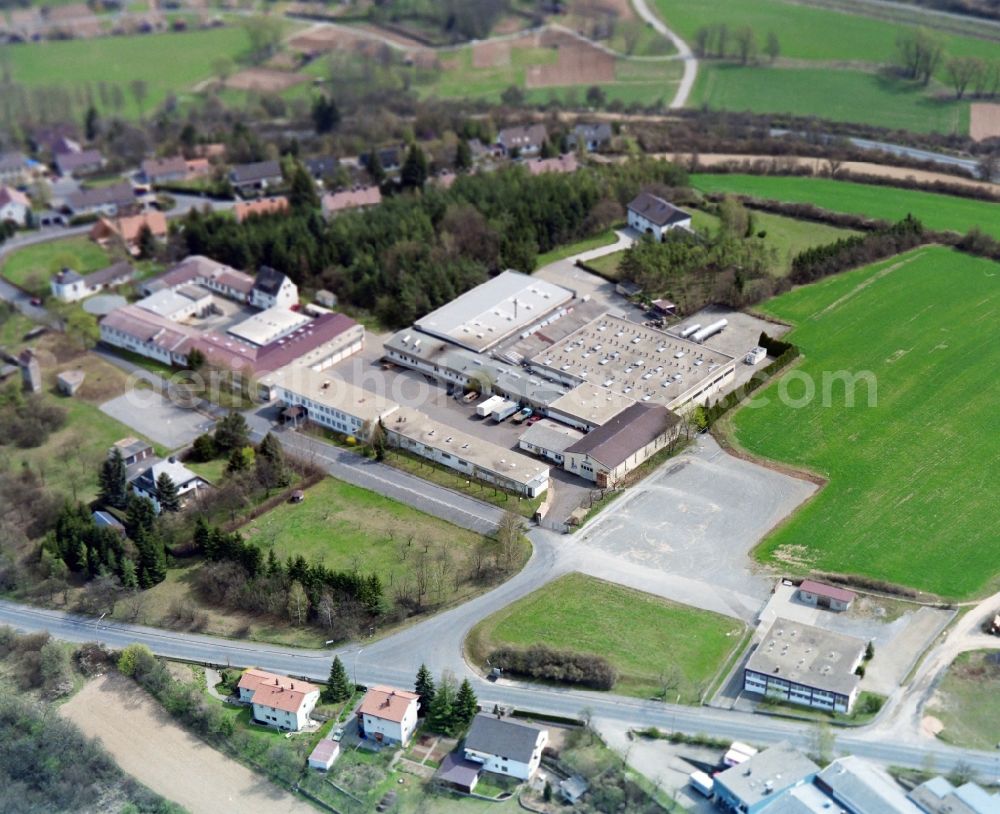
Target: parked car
(521, 416)
(533, 420)
(338, 734)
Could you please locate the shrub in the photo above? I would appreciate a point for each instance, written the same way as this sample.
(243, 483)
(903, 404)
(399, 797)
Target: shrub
(566, 666)
(135, 660)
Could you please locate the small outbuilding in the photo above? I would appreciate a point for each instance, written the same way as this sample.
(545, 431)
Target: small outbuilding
(324, 755)
(573, 788)
(458, 772)
(69, 381)
(821, 595)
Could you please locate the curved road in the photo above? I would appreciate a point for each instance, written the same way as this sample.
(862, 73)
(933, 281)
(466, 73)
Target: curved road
(684, 53)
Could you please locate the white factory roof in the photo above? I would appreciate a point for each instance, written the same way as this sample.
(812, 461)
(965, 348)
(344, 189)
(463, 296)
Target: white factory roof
(167, 302)
(495, 310)
(328, 390)
(590, 404)
(514, 466)
(268, 325)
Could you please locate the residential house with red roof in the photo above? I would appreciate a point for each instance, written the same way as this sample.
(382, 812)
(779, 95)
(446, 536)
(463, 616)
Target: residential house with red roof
(277, 700)
(388, 715)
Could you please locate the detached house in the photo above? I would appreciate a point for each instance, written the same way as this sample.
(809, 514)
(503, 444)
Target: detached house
(101, 201)
(387, 715)
(186, 481)
(255, 177)
(654, 216)
(278, 701)
(272, 289)
(505, 746)
(128, 230)
(14, 206)
(592, 136)
(68, 286)
(164, 170)
(527, 140)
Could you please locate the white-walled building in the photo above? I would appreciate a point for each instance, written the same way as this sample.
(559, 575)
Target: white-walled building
(278, 701)
(186, 481)
(272, 289)
(14, 206)
(68, 286)
(806, 665)
(654, 216)
(505, 746)
(388, 715)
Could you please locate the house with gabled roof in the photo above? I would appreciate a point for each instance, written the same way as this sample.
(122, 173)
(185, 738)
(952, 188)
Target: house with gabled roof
(388, 715)
(278, 701)
(651, 215)
(505, 746)
(272, 289)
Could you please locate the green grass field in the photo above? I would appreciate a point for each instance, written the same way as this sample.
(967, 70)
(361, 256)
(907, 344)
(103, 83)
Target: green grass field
(605, 238)
(912, 478)
(939, 212)
(31, 267)
(838, 95)
(967, 701)
(351, 528)
(640, 634)
(787, 236)
(168, 63)
(806, 32)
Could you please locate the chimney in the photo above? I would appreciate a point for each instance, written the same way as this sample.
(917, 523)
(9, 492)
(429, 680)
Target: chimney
(172, 459)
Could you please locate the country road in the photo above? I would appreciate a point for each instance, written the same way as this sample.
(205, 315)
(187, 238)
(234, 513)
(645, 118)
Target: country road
(684, 53)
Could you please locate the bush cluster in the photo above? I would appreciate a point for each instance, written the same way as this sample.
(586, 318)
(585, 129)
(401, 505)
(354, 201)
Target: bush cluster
(566, 666)
(28, 421)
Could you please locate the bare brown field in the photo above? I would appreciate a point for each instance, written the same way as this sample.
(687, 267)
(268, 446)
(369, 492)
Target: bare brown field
(265, 80)
(984, 120)
(578, 64)
(491, 54)
(151, 747)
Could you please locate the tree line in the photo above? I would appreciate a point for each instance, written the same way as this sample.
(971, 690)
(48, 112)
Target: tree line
(720, 41)
(416, 252)
(920, 54)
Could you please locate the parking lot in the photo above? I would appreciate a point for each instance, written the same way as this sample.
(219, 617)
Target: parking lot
(152, 415)
(698, 517)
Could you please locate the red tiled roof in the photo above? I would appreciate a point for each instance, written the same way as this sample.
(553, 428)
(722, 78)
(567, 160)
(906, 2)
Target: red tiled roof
(564, 163)
(830, 591)
(265, 206)
(11, 195)
(276, 692)
(351, 199)
(387, 703)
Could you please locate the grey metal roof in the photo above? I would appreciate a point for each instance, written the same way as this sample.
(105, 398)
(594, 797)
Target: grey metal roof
(269, 280)
(121, 270)
(548, 437)
(657, 210)
(502, 737)
(626, 433)
(117, 194)
(767, 774)
(863, 788)
(258, 171)
(938, 796)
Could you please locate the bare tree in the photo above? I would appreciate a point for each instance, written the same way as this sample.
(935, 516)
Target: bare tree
(772, 46)
(298, 603)
(140, 92)
(963, 71)
(746, 44)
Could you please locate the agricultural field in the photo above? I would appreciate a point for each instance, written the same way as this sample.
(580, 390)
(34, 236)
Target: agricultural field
(838, 95)
(967, 701)
(911, 480)
(830, 65)
(938, 212)
(32, 266)
(167, 63)
(349, 528)
(643, 636)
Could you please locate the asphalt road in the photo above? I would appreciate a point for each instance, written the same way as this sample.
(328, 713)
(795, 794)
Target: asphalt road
(605, 709)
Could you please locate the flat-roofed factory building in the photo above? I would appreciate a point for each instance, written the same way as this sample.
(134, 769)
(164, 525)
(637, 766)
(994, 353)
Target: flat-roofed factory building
(636, 361)
(805, 665)
(509, 304)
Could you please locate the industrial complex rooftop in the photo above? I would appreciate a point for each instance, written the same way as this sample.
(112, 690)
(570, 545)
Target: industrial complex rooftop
(495, 310)
(267, 326)
(588, 406)
(636, 361)
(808, 655)
(327, 391)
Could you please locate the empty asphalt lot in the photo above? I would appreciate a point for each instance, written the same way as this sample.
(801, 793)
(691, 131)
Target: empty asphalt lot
(149, 413)
(698, 517)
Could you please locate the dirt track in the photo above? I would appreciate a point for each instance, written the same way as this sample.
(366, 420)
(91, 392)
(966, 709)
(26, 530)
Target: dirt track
(984, 121)
(151, 747)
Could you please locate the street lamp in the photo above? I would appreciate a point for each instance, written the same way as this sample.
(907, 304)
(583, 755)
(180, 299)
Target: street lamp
(357, 658)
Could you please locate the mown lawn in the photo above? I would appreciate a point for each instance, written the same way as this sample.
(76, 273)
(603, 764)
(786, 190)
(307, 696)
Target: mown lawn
(939, 212)
(32, 266)
(912, 477)
(835, 95)
(967, 701)
(642, 635)
(350, 528)
(605, 238)
(168, 63)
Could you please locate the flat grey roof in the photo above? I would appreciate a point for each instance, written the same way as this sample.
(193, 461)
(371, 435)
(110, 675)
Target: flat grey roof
(808, 655)
(863, 786)
(767, 773)
(591, 404)
(491, 312)
(631, 359)
(331, 391)
(551, 436)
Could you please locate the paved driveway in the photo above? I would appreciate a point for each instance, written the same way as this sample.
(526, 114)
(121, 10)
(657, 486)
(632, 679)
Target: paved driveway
(698, 517)
(152, 415)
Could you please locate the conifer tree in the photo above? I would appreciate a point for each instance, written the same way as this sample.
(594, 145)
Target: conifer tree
(466, 705)
(166, 494)
(114, 480)
(424, 687)
(338, 687)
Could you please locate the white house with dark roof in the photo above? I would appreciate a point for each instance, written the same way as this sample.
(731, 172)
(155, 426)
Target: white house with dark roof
(278, 701)
(526, 139)
(272, 289)
(259, 175)
(654, 216)
(68, 286)
(186, 481)
(505, 746)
